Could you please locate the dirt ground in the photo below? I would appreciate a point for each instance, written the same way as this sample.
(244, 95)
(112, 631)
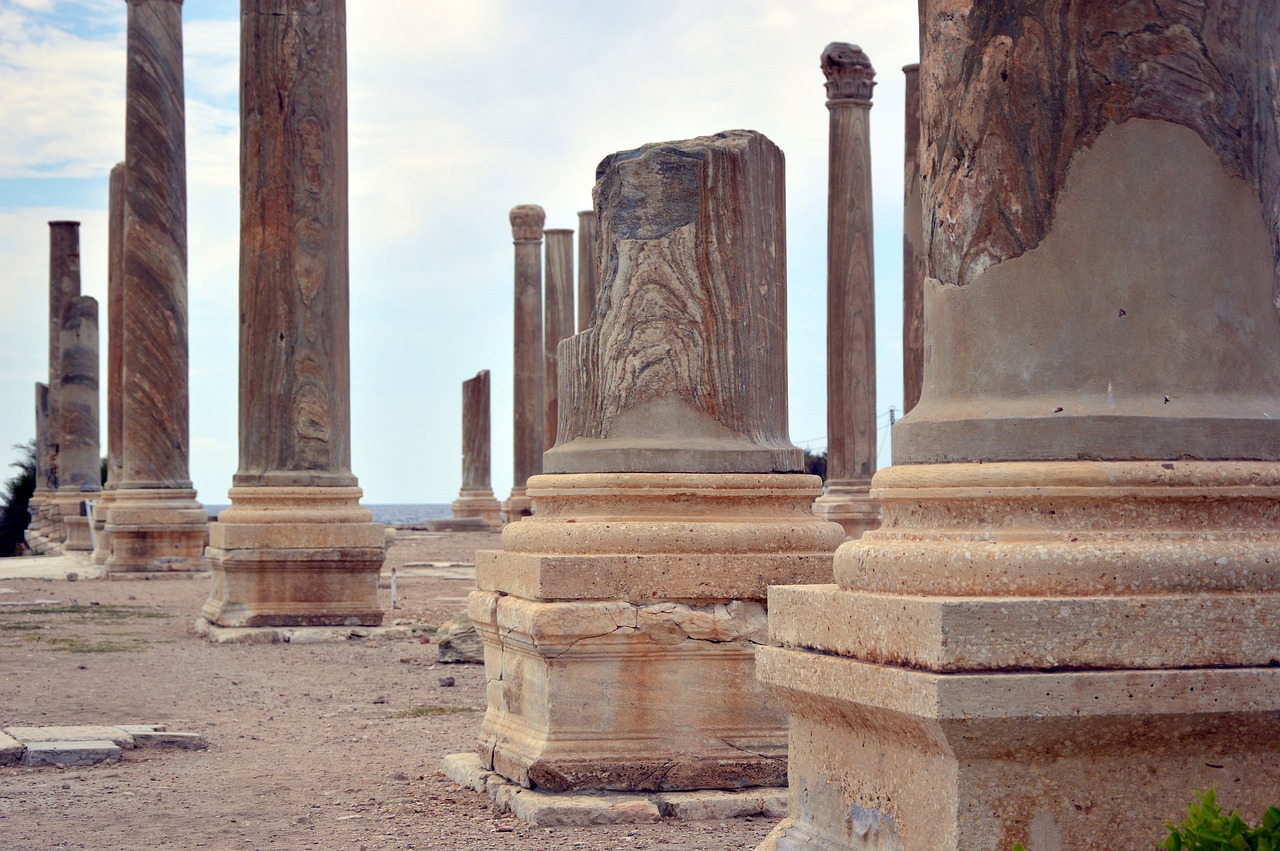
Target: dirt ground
(334, 746)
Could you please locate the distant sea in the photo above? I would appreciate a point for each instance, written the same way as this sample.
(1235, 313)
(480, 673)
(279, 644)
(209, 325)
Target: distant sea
(416, 514)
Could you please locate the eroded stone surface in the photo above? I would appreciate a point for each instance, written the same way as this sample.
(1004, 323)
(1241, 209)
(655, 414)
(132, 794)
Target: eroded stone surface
(476, 502)
(588, 266)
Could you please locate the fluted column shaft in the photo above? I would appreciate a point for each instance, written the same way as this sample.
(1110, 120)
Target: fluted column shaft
(558, 322)
(913, 249)
(155, 431)
(588, 266)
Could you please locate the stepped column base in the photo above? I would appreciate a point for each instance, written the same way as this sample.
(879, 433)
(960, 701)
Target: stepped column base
(156, 530)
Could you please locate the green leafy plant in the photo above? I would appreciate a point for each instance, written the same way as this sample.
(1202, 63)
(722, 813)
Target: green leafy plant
(1207, 829)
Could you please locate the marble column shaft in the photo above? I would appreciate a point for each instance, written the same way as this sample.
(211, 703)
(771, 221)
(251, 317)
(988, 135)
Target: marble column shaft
(527, 222)
(78, 355)
(475, 507)
(588, 266)
(115, 351)
(913, 249)
(1068, 621)
(64, 287)
(557, 321)
(158, 525)
(43, 442)
(295, 547)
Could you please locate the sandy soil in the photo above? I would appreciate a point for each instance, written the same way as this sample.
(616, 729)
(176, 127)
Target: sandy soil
(311, 746)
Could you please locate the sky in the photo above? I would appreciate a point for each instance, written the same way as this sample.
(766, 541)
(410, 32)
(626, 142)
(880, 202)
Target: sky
(458, 111)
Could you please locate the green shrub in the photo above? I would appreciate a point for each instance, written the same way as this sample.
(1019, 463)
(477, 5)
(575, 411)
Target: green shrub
(14, 496)
(1207, 829)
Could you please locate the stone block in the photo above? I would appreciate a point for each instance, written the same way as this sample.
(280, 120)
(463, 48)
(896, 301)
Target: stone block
(27, 735)
(66, 753)
(164, 738)
(583, 810)
(466, 770)
(708, 805)
(10, 749)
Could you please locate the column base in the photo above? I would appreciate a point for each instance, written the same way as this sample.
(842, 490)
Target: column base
(517, 505)
(295, 556)
(849, 504)
(156, 530)
(102, 538)
(620, 625)
(479, 504)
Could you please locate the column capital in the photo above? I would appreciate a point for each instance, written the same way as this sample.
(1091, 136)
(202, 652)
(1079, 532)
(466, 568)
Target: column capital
(850, 77)
(526, 222)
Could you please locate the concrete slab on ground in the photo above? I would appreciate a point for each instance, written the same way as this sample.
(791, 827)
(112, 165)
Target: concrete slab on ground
(568, 809)
(71, 753)
(116, 735)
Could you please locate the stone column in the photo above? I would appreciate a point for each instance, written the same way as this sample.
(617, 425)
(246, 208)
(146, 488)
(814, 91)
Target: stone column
(155, 522)
(620, 621)
(81, 470)
(526, 231)
(475, 508)
(557, 322)
(913, 250)
(64, 288)
(588, 267)
(1068, 621)
(851, 313)
(295, 547)
(115, 350)
(37, 532)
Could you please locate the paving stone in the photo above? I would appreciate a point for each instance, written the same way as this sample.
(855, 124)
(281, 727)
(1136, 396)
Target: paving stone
(776, 804)
(116, 735)
(71, 753)
(709, 804)
(10, 750)
(465, 770)
(135, 729)
(555, 809)
(163, 738)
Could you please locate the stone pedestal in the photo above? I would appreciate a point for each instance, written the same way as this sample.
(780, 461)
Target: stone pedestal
(1068, 620)
(851, 327)
(621, 620)
(154, 520)
(295, 547)
(913, 249)
(557, 322)
(475, 500)
(526, 232)
(80, 477)
(588, 267)
(115, 351)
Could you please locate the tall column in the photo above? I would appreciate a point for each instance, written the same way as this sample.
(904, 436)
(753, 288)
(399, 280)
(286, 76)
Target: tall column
(588, 267)
(81, 472)
(1068, 621)
(295, 547)
(526, 232)
(155, 522)
(475, 507)
(115, 350)
(557, 322)
(64, 288)
(913, 250)
(851, 312)
(620, 621)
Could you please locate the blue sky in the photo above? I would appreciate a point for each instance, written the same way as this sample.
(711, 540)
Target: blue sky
(457, 112)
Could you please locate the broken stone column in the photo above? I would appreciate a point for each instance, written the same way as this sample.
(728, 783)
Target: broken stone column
(80, 478)
(557, 322)
(621, 620)
(913, 250)
(851, 319)
(475, 507)
(526, 232)
(64, 288)
(115, 347)
(295, 547)
(588, 267)
(1068, 620)
(155, 522)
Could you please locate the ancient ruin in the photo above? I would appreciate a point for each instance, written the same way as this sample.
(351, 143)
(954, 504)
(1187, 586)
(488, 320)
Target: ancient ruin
(79, 477)
(476, 507)
(913, 249)
(621, 620)
(557, 322)
(588, 267)
(1067, 622)
(115, 348)
(38, 529)
(529, 417)
(295, 547)
(851, 320)
(154, 521)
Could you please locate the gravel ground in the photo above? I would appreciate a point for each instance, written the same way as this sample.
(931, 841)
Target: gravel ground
(311, 746)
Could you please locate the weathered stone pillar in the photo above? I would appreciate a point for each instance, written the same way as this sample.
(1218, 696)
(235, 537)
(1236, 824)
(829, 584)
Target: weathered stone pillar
(913, 250)
(1068, 621)
(620, 621)
(295, 547)
(851, 313)
(81, 474)
(37, 532)
(64, 288)
(557, 322)
(475, 507)
(155, 522)
(115, 350)
(588, 267)
(526, 232)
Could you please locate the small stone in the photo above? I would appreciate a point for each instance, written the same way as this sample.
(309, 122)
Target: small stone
(380, 699)
(72, 576)
(447, 682)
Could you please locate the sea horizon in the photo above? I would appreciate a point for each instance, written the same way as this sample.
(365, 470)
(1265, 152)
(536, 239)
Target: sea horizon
(389, 514)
